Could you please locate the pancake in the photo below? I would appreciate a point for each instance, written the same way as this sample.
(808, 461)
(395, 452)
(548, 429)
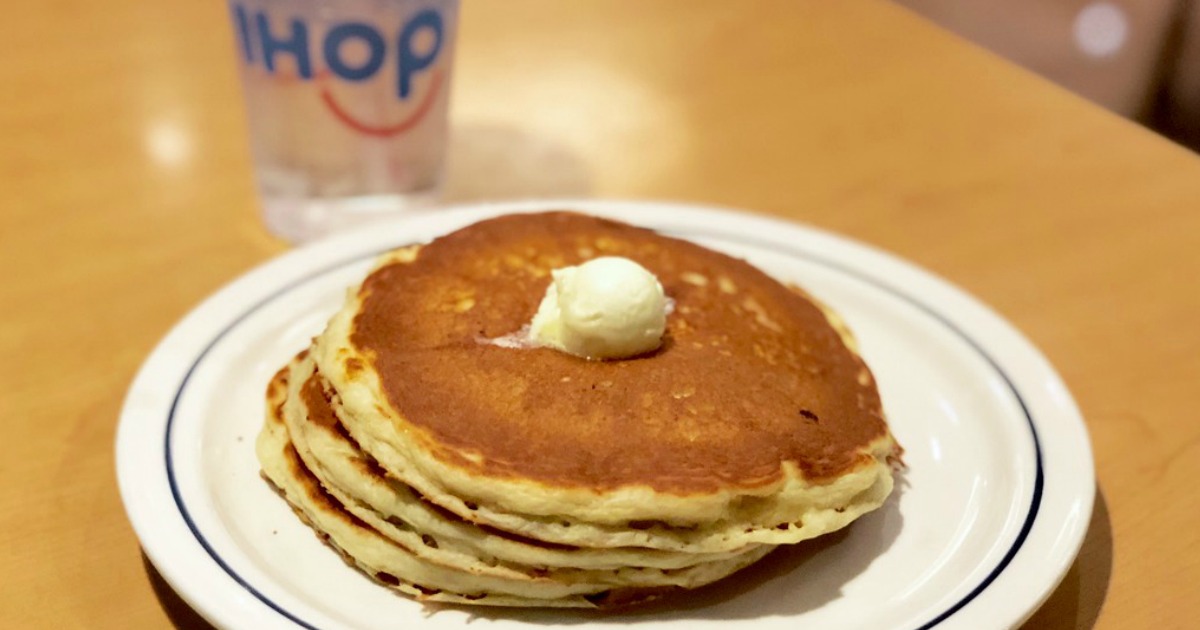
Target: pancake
(754, 411)
(426, 452)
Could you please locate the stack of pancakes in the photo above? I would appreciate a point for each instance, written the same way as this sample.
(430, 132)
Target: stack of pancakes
(458, 470)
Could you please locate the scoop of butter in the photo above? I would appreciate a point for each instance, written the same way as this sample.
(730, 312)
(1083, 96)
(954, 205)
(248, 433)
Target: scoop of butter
(606, 308)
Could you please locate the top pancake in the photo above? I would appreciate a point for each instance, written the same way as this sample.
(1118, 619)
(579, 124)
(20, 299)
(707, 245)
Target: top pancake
(752, 389)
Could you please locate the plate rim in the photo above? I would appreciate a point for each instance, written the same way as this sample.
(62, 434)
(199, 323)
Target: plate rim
(361, 244)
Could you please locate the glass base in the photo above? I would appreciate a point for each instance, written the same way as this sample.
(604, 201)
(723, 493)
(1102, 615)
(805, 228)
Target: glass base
(299, 220)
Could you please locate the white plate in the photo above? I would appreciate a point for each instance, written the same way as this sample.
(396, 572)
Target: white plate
(993, 508)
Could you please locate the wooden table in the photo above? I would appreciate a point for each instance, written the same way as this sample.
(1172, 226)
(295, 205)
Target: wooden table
(126, 197)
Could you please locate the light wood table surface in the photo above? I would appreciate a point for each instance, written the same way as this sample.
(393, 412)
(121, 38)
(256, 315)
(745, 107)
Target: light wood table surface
(126, 197)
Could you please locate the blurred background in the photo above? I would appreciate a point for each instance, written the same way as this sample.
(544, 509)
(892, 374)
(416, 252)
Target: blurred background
(1138, 58)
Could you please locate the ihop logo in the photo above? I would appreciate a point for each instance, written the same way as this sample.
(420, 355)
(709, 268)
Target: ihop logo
(351, 52)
